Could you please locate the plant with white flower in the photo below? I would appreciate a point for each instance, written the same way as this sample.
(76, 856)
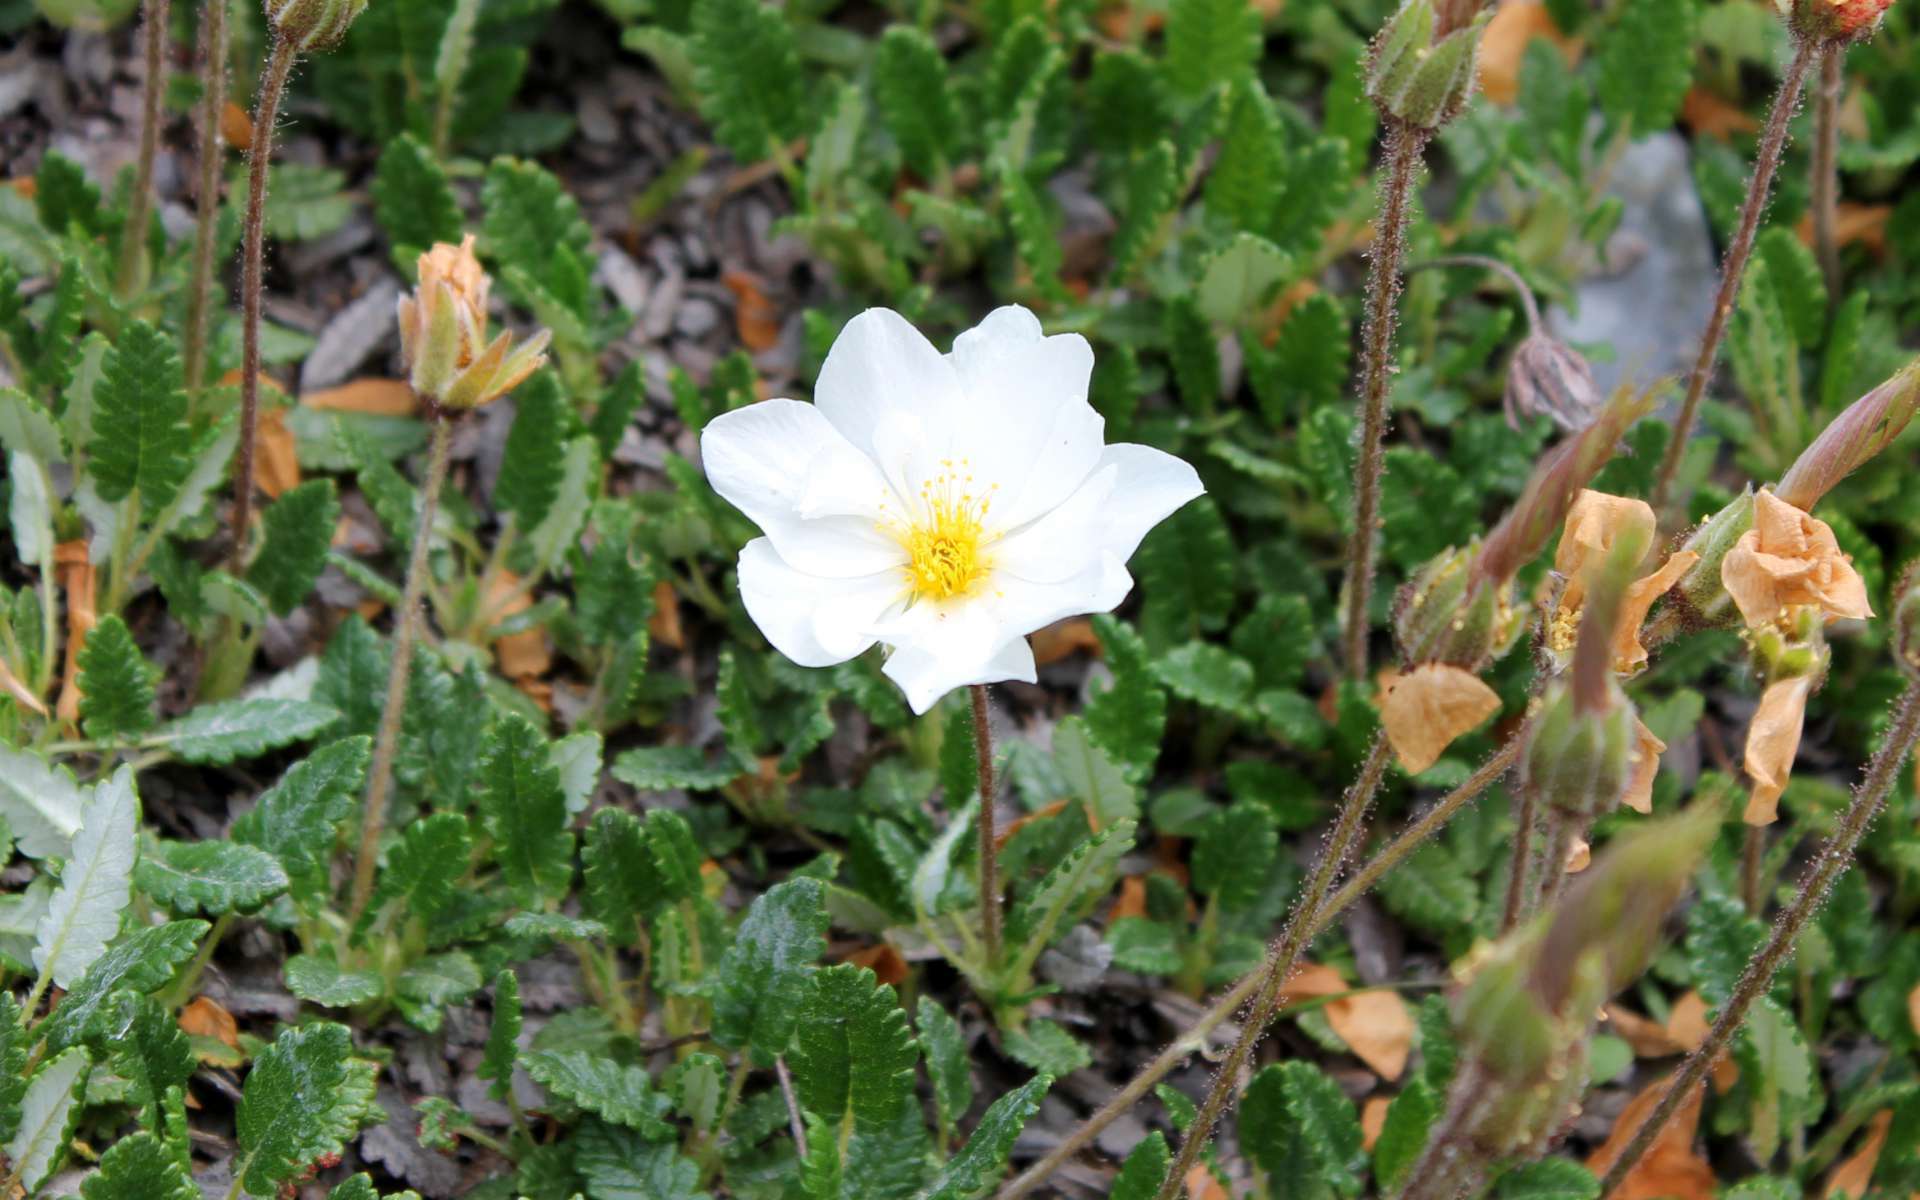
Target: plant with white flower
(944, 506)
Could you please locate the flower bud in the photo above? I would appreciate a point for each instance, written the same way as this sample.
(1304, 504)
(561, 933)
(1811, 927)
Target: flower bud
(1834, 20)
(1548, 377)
(1867, 427)
(1906, 621)
(1449, 613)
(313, 24)
(1700, 591)
(1579, 760)
(443, 328)
(1418, 79)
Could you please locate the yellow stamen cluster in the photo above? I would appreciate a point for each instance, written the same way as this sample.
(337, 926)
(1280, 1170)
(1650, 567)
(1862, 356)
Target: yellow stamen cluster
(946, 540)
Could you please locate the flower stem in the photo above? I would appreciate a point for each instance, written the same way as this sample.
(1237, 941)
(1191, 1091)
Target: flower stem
(989, 849)
(1773, 142)
(373, 821)
(1280, 961)
(1834, 858)
(1826, 174)
(1526, 804)
(1399, 167)
(1195, 1037)
(156, 14)
(266, 111)
(213, 103)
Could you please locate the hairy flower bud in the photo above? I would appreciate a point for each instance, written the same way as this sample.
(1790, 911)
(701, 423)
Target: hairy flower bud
(1421, 70)
(1579, 760)
(1449, 613)
(443, 329)
(1867, 427)
(1701, 590)
(313, 24)
(1906, 621)
(1834, 20)
(1548, 377)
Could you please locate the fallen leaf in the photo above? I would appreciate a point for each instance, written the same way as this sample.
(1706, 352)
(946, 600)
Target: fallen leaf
(1687, 1024)
(1503, 47)
(1201, 1185)
(1014, 826)
(1670, 1169)
(1913, 1008)
(1647, 1037)
(1132, 901)
(1851, 1177)
(755, 318)
(379, 397)
(884, 961)
(1117, 21)
(1374, 1023)
(1865, 224)
(522, 655)
(1373, 1118)
(1064, 639)
(1579, 856)
(11, 684)
(74, 569)
(1709, 115)
(203, 1017)
(664, 626)
(26, 186)
(236, 127)
(276, 467)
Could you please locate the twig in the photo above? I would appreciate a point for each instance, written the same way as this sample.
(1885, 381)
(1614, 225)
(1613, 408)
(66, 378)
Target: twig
(1280, 961)
(1404, 144)
(989, 848)
(1773, 141)
(1826, 174)
(1881, 774)
(156, 14)
(213, 104)
(373, 821)
(266, 111)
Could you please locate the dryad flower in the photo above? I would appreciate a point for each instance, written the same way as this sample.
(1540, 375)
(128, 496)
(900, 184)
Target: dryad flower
(443, 334)
(945, 506)
(1790, 558)
(1595, 524)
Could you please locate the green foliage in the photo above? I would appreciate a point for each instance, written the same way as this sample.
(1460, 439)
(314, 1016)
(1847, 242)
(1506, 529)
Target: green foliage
(853, 1055)
(1127, 718)
(1144, 1170)
(142, 961)
(140, 1167)
(985, 1155)
(1646, 62)
(525, 811)
(212, 877)
(759, 981)
(299, 527)
(228, 730)
(1296, 1124)
(941, 1041)
(535, 457)
(299, 1104)
(910, 86)
(1234, 854)
(503, 1035)
(296, 819)
(620, 1094)
(116, 684)
(748, 75)
(1210, 42)
(413, 200)
(140, 435)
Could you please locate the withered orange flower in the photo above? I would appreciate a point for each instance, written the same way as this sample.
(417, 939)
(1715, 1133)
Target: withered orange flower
(1773, 741)
(1424, 710)
(1595, 524)
(1647, 750)
(443, 333)
(1790, 558)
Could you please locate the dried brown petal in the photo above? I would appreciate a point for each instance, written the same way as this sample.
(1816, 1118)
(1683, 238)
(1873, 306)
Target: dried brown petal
(1647, 750)
(1790, 557)
(1430, 706)
(1773, 741)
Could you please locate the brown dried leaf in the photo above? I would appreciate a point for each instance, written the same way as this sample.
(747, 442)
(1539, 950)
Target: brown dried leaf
(12, 686)
(1373, 1118)
(1670, 1169)
(524, 655)
(236, 127)
(1709, 115)
(379, 397)
(1647, 1037)
(203, 1017)
(276, 466)
(1430, 706)
(884, 961)
(755, 318)
(1504, 46)
(1132, 901)
(1851, 1177)
(1064, 639)
(77, 580)
(664, 626)
(1647, 750)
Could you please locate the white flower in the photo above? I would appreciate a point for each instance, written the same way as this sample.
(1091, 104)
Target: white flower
(944, 505)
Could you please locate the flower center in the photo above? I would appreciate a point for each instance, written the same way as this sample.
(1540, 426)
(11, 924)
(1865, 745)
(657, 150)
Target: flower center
(946, 541)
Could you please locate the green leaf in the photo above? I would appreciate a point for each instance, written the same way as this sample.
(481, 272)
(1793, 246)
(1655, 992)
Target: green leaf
(1036, 244)
(1646, 62)
(1234, 854)
(1073, 884)
(65, 198)
(213, 877)
(139, 1167)
(1243, 186)
(621, 1094)
(533, 226)
(910, 89)
(48, 1112)
(665, 768)
(1296, 1123)
(297, 818)
(140, 434)
(945, 1048)
(116, 684)
(319, 978)
(959, 772)
(353, 675)
(13, 1064)
(852, 1054)
(1194, 354)
(534, 459)
(1048, 1048)
(233, 729)
(1208, 675)
(300, 1104)
(748, 76)
(96, 884)
(1126, 104)
(1431, 891)
(1721, 937)
(759, 981)
(1797, 281)
(425, 989)
(424, 869)
(1127, 718)
(550, 540)
(1144, 1170)
(982, 1160)
(149, 1050)
(299, 529)
(503, 1036)
(141, 962)
(1403, 1135)
(1151, 193)
(1091, 774)
(618, 1164)
(305, 202)
(622, 882)
(40, 803)
(1548, 1179)
(1144, 945)
(412, 199)
(1186, 571)
(1238, 280)
(1210, 42)
(525, 811)
(1307, 368)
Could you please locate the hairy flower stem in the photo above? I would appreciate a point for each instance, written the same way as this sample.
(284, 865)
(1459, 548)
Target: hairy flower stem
(1195, 1038)
(1834, 859)
(1399, 168)
(1773, 142)
(1826, 173)
(156, 15)
(266, 111)
(1525, 806)
(989, 839)
(206, 216)
(1281, 959)
(405, 622)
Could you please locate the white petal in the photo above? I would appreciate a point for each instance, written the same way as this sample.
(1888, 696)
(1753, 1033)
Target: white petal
(1064, 542)
(878, 365)
(780, 460)
(1004, 327)
(1151, 484)
(815, 622)
(926, 676)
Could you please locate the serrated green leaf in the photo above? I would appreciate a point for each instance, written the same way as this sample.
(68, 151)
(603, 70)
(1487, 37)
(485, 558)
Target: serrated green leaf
(1070, 886)
(1048, 1048)
(1143, 945)
(1243, 187)
(534, 458)
(663, 768)
(412, 199)
(1091, 775)
(213, 877)
(1234, 854)
(299, 528)
(13, 1065)
(1548, 1179)
(139, 1167)
(1296, 1123)
(623, 883)
(525, 811)
(619, 1164)
(1208, 675)
(140, 435)
(503, 1036)
(353, 674)
(1645, 62)
(149, 1051)
(319, 978)
(141, 962)
(1430, 890)
(428, 986)
(233, 729)
(1144, 1170)
(1186, 572)
(296, 820)
(984, 1157)
(748, 75)
(1307, 367)
(947, 1064)
(424, 869)
(116, 684)
(1127, 718)
(580, 473)
(533, 225)
(621, 1094)
(1210, 42)
(759, 980)
(1151, 194)
(47, 1115)
(300, 1103)
(910, 88)
(1721, 937)
(1403, 1135)
(1797, 281)
(96, 884)
(40, 803)
(1194, 355)
(853, 1055)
